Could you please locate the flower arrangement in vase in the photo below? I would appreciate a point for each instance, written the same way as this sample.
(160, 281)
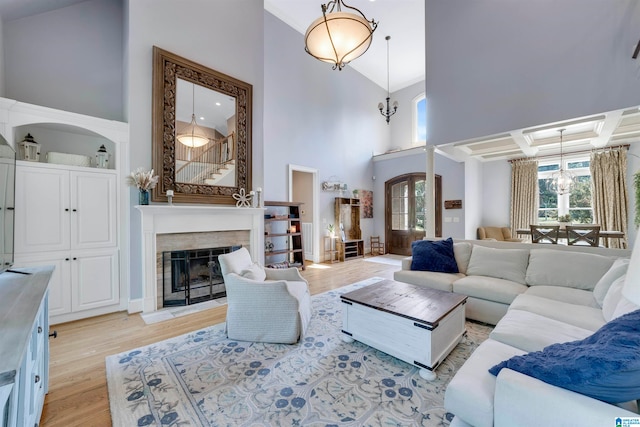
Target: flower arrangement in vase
(564, 220)
(145, 181)
(332, 230)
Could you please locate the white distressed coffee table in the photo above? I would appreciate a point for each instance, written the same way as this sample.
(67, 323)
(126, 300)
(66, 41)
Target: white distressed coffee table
(417, 325)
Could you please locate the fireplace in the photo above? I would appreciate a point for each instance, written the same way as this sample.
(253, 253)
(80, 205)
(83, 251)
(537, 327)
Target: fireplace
(166, 228)
(192, 276)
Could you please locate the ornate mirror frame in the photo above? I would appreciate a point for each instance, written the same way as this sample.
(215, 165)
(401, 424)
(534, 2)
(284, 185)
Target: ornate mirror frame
(167, 68)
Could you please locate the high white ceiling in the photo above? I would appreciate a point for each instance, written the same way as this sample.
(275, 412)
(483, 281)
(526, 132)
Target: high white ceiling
(403, 20)
(583, 134)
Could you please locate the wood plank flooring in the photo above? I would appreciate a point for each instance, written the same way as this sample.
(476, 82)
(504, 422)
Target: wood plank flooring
(78, 384)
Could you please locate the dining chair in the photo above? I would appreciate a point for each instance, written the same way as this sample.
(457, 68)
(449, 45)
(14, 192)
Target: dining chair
(583, 235)
(377, 247)
(544, 233)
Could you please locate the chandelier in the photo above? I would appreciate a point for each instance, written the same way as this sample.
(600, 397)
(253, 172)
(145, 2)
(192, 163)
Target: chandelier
(193, 135)
(388, 113)
(562, 181)
(339, 37)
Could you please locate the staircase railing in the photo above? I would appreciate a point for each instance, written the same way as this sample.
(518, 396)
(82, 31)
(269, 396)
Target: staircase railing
(206, 161)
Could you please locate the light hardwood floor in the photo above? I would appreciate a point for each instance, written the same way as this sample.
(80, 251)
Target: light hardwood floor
(78, 384)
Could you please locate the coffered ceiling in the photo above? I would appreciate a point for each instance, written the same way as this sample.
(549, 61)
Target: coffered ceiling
(580, 135)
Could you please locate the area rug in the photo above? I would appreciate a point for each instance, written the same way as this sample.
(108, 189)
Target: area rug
(389, 259)
(204, 379)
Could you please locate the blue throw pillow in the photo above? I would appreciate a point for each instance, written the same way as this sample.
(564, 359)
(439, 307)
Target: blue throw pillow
(605, 365)
(433, 256)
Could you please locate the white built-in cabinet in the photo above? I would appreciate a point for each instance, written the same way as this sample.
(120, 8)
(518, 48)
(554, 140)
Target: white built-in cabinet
(72, 217)
(68, 219)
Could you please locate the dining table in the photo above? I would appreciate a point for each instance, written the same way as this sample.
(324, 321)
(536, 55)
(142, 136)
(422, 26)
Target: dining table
(562, 233)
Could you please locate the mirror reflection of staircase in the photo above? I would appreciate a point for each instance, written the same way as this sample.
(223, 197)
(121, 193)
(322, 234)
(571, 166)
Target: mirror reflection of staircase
(211, 164)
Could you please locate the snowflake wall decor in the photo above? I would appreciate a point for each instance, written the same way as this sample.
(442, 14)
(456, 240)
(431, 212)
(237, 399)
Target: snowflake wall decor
(243, 200)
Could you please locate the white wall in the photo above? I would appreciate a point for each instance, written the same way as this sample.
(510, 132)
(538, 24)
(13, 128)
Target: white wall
(495, 66)
(401, 124)
(70, 58)
(496, 193)
(318, 118)
(474, 195)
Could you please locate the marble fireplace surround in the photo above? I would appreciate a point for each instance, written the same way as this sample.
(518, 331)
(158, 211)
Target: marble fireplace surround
(165, 219)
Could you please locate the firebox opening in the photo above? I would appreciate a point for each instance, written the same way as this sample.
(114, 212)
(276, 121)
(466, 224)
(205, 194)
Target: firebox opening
(193, 275)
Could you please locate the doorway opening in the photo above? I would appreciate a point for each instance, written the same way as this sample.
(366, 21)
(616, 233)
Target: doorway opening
(303, 187)
(405, 211)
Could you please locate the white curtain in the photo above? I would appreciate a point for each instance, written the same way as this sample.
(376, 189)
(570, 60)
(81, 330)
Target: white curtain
(609, 193)
(524, 194)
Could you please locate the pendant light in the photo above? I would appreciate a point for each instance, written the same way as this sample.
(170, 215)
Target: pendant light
(562, 181)
(388, 113)
(339, 37)
(193, 135)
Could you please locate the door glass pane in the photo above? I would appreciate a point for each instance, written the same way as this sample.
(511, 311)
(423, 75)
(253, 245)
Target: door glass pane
(400, 206)
(419, 206)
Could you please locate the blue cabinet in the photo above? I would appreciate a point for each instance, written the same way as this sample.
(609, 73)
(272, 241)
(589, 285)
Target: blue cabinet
(24, 350)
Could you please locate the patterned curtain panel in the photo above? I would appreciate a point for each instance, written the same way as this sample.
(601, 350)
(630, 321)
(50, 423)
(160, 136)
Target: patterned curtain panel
(608, 177)
(524, 194)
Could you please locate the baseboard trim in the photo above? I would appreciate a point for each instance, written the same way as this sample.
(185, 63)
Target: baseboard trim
(135, 306)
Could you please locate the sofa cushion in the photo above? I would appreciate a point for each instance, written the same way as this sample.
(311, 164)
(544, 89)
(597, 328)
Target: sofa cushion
(254, 272)
(570, 295)
(612, 298)
(509, 264)
(434, 255)
(489, 288)
(604, 366)
(429, 279)
(564, 268)
(578, 315)
(469, 395)
(532, 332)
(618, 268)
(462, 253)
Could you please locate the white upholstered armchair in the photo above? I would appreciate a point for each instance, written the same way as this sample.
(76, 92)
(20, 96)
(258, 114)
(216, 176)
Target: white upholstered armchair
(264, 304)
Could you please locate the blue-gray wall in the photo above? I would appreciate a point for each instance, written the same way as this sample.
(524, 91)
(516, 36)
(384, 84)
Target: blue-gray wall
(494, 66)
(70, 59)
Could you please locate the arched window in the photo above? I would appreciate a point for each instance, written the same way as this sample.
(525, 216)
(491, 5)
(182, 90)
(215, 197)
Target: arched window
(419, 122)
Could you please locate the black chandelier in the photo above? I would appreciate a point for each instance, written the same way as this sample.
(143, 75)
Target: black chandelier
(388, 113)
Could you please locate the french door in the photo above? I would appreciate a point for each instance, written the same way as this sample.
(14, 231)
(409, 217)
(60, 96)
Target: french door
(405, 211)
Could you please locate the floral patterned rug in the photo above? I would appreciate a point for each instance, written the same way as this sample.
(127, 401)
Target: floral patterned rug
(204, 379)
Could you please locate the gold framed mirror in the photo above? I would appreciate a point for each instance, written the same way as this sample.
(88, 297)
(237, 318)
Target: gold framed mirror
(201, 134)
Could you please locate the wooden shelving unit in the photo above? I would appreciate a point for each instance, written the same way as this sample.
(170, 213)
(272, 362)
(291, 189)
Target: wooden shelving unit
(283, 235)
(347, 215)
(330, 249)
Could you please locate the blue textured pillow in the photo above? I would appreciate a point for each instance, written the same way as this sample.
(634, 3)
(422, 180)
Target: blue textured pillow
(605, 365)
(433, 256)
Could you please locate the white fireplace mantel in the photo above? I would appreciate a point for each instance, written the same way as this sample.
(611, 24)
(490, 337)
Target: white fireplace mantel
(164, 219)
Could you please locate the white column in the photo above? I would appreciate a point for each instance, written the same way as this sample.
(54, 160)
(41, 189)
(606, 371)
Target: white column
(430, 195)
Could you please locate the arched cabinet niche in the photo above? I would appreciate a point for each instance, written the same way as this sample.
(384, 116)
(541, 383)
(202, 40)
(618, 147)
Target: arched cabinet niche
(70, 213)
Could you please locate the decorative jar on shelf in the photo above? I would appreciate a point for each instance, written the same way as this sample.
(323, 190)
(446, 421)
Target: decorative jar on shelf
(143, 197)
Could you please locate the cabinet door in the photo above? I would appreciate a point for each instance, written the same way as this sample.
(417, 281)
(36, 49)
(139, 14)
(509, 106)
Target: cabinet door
(93, 210)
(60, 283)
(42, 210)
(94, 280)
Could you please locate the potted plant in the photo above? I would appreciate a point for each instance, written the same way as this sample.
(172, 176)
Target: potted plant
(332, 230)
(564, 220)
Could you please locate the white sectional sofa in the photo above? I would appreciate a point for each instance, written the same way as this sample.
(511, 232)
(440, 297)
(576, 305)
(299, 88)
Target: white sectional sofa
(536, 295)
